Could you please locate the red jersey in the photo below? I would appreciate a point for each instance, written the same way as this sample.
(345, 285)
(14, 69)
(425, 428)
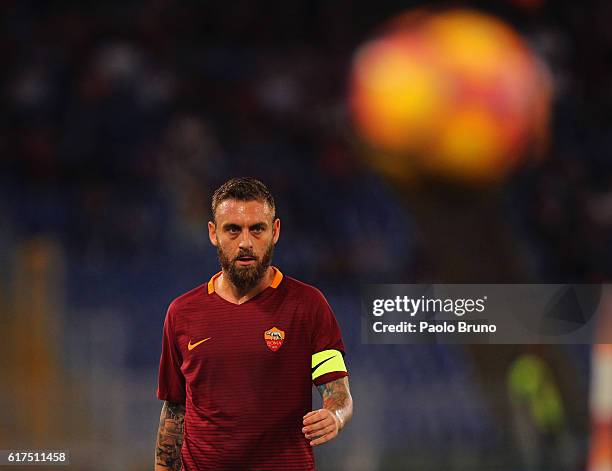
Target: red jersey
(245, 373)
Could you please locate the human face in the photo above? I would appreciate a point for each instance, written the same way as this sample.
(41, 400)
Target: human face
(244, 233)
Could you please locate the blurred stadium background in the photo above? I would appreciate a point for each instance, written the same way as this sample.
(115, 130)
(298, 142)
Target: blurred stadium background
(120, 118)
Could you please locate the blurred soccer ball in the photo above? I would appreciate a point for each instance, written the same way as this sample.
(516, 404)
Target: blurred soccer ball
(456, 95)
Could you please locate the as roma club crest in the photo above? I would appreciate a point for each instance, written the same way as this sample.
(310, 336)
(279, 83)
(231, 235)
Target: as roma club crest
(274, 338)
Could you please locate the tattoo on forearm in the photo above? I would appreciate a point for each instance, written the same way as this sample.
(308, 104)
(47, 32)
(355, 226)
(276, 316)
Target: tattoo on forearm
(337, 398)
(170, 436)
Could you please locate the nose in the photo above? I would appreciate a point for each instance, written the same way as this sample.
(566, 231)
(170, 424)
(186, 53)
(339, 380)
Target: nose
(245, 240)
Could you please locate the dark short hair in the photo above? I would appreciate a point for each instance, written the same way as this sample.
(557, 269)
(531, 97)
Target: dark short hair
(242, 189)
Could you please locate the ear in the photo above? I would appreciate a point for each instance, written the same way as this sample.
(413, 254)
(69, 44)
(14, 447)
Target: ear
(276, 230)
(212, 233)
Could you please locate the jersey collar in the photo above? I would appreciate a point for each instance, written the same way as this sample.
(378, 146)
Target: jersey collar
(278, 277)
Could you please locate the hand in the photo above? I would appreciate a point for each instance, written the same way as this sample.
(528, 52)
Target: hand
(322, 425)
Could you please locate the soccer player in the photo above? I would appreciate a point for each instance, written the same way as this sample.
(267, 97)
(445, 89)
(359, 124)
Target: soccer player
(240, 352)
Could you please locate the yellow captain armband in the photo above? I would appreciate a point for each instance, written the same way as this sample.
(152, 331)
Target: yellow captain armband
(327, 361)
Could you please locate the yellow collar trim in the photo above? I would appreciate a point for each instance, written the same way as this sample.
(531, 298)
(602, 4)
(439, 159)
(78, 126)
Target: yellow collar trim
(211, 282)
(278, 277)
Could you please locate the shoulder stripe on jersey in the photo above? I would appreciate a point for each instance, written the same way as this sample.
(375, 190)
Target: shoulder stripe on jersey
(327, 361)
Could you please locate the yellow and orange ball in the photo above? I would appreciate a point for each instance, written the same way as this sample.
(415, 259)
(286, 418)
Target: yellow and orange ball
(456, 95)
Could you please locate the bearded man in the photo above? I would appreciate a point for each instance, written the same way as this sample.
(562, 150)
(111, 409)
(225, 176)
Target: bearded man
(239, 354)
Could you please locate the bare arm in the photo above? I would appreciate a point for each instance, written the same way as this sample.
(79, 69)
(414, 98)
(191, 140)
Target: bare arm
(324, 424)
(170, 437)
(337, 399)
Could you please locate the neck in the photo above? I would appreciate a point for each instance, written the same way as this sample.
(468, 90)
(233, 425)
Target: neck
(230, 292)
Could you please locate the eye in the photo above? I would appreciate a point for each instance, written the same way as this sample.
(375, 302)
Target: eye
(233, 230)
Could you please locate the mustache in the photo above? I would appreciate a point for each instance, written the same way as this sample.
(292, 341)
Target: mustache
(246, 253)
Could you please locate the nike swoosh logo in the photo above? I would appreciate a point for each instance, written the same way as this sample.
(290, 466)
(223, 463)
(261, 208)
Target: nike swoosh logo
(191, 346)
(320, 363)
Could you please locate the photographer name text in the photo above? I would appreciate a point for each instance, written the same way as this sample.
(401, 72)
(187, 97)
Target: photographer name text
(413, 307)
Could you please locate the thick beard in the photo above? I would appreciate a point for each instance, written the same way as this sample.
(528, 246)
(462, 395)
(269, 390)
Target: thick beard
(246, 277)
